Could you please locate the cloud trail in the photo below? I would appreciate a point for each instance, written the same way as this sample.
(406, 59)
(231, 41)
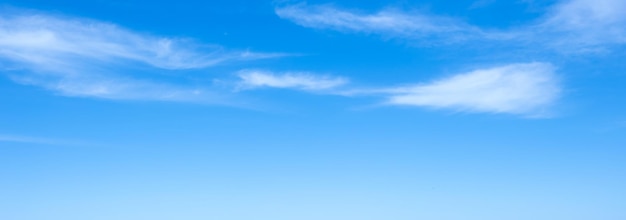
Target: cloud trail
(388, 22)
(86, 58)
(526, 89)
(577, 26)
(41, 141)
(81, 57)
(251, 79)
(585, 25)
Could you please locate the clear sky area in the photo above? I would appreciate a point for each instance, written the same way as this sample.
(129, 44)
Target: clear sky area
(313, 110)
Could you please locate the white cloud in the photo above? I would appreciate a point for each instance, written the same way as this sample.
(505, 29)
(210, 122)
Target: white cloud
(111, 87)
(291, 80)
(586, 23)
(37, 140)
(389, 22)
(568, 26)
(584, 14)
(40, 38)
(526, 89)
(80, 57)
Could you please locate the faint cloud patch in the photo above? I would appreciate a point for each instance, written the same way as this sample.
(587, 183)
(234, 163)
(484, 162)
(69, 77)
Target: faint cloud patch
(42, 141)
(252, 79)
(525, 89)
(569, 26)
(388, 22)
(88, 58)
(585, 25)
(481, 4)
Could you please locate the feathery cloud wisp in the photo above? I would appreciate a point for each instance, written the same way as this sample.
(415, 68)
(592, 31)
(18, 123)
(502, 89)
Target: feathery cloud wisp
(39, 38)
(585, 24)
(526, 89)
(40, 141)
(292, 80)
(390, 22)
(80, 57)
(568, 26)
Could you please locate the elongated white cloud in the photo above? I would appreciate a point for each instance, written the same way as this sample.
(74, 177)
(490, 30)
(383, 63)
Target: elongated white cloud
(388, 22)
(21, 139)
(42, 38)
(114, 87)
(587, 14)
(527, 89)
(38, 140)
(586, 23)
(569, 25)
(293, 80)
(80, 57)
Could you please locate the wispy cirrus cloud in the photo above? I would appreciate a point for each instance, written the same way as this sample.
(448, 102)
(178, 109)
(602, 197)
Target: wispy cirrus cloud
(389, 22)
(251, 79)
(86, 58)
(81, 57)
(39, 141)
(568, 26)
(585, 24)
(39, 37)
(526, 89)
(118, 88)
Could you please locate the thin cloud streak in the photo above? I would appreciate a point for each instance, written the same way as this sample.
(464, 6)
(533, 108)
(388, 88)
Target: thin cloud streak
(252, 79)
(87, 58)
(388, 22)
(117, 88)
(571, 26)
(39, 37)
(526, 89)
(585, 25)
(40, 141)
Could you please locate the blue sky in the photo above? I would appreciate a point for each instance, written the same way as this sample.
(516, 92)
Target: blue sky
(238, 110)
